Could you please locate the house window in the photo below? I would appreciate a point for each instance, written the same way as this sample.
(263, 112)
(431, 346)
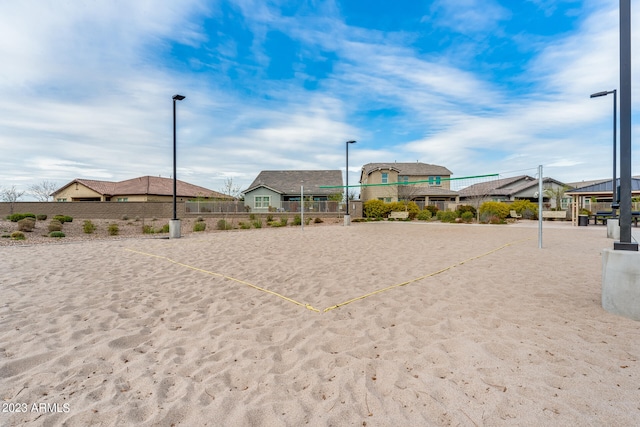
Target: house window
(385, 177)
(61, 200)
(435, 180)
(262, 202)
(403, 179)
(123, 199)
(385, 199)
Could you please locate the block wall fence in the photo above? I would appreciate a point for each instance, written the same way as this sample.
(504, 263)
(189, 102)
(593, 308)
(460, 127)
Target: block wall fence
(114, 210)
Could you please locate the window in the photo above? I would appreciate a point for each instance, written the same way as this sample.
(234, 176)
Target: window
(61, 200)
(403, 179)
(385, 199)
(385, 177)
(123, 199)
(435, 180)
(262, 202)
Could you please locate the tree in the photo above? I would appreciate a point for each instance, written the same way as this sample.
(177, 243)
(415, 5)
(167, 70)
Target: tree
(556, 193)
(230, 189)
(10, 195)
(43, 191)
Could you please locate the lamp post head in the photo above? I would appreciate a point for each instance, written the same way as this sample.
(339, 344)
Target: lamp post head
(603, 93)
(178, 97)
(351, 142)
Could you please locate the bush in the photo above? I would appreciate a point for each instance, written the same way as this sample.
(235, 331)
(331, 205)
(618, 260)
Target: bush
(41, 217)
(467, 216)
(63, 218)
(526, 208)
(18, 235)
(18, 216)
(297, 220)
(124, 217)
(164, 229)
(257, 223)
(88, 227)
(56, 234)
(223, 224)
(55, 225)
(410, 207)
(113, 229)
(375, 209)
(27, 224)
(284, 221)
(433, 209)
(424, 215)
(447, 216)
(493, 209)
(148, 229)
(244, 225)
(318, 221)
(199, 226)
(269, 218)
(467, 208)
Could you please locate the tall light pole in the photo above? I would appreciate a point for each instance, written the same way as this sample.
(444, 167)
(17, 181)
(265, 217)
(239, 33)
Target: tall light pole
(175, 223)
(615, 203)
(347, 217)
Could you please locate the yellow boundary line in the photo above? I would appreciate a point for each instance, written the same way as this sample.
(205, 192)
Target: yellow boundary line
(309, 306)
(421, 277)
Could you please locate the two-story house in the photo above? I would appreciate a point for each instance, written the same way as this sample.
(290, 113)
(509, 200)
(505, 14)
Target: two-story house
(419, 182)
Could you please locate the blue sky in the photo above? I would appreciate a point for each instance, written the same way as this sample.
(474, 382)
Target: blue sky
(477, 86)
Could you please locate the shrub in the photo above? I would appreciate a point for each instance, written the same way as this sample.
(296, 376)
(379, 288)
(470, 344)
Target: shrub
(55, 225)
(467, 216)
(491, 209)
(297, 220)
(410, 207)
(375, 209)
(424, 215)
(41, 217)
(18, 216)
(200, 219)
(88, 227)
(307, 220)
(148, 229)
(269, 218)
(318, 221)
(244, 225)
(447, 216)
(63, 218)
(27, 224)
(124, 217)
(56, 234)
(199, 226)
(252, 217)
(223, 224)
(275, 224)
(526, 208)
(164, 229)
(467, 208)
(284, 221)
(257, 223)
(113, 229)
(18, 235)
(433, 209)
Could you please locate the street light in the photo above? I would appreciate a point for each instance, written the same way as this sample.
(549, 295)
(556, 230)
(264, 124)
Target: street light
(347, 218)
(614, 201)
(175, 223)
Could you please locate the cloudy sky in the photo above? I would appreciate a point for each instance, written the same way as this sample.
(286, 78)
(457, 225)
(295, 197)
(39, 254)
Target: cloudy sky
(478, 86)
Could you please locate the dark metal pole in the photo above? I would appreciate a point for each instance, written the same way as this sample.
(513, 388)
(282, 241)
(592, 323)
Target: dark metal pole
(175, 214)
(615, 201)
(175, 98)
(625, 129)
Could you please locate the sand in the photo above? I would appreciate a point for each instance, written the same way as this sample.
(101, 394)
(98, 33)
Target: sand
(478, 327)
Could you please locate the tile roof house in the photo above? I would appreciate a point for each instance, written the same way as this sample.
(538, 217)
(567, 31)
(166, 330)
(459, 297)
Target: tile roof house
(141, 189)
(509, 189)
(379, 181)
(271, 189)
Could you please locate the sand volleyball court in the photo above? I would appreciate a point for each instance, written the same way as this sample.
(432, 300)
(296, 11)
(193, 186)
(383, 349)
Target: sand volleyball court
(376, 324)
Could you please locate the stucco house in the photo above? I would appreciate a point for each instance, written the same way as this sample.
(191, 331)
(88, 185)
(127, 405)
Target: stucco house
(521, 187)
(383, 181)
(141, 189)
(275, 190)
